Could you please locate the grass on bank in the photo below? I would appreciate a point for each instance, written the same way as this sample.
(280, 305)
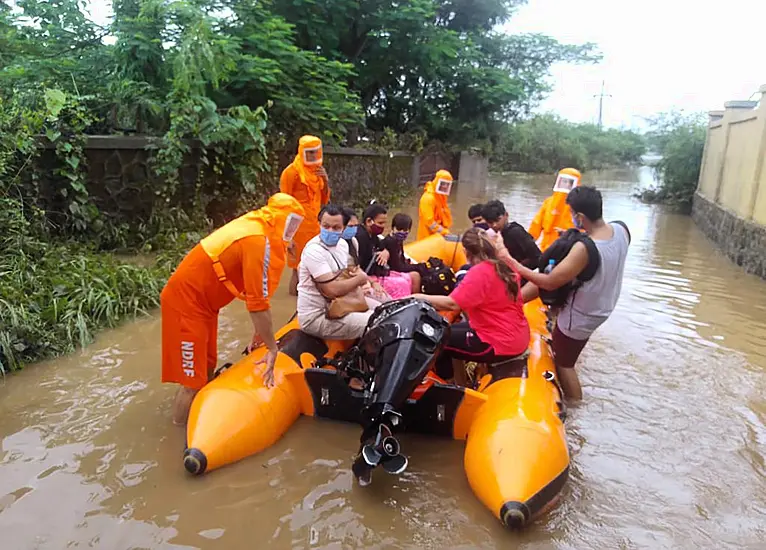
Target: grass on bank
(54, 297)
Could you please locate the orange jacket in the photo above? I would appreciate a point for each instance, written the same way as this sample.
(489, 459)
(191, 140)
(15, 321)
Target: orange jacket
(554, 216)
(243, 259)
(434, 215)
(310, 190)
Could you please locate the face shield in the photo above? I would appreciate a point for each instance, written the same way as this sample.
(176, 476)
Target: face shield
(292, 224)
(443, 187)
(312, 156)
(565, 183)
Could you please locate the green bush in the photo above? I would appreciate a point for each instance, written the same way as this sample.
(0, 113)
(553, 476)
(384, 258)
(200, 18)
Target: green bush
(547, 143)
(680, 141)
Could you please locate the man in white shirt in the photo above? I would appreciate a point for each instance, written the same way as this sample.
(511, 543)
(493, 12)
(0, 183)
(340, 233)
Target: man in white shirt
(322, 259)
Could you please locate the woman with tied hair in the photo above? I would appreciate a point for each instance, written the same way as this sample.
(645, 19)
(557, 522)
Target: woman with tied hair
(490, 295)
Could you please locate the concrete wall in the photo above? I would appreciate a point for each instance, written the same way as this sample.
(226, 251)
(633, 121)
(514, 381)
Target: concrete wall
(730, 203)
(474, 168)
(465, 166)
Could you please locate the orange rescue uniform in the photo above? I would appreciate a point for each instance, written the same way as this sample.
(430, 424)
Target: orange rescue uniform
(312, 191)
(250, 256)
(554, 215)
(434, 215)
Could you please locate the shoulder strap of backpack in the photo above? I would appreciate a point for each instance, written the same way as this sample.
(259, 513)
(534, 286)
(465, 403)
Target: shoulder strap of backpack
(624, 226)
(594, 259)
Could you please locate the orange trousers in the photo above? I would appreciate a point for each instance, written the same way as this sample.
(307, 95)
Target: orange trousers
(189, 304)
(189, 343)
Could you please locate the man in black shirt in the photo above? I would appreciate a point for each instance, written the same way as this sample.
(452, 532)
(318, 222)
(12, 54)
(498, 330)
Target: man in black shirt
(519, 243)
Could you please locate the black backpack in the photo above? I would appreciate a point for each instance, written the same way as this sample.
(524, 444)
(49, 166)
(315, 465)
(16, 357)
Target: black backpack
(558, 251)
(438, 278)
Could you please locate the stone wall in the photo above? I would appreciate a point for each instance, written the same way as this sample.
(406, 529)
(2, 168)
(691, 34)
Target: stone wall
(121, 180)
(743, 241)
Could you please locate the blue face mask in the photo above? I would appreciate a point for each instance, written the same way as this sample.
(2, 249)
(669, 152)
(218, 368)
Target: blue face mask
(330, 238)
(349, 232)
(481, 225)
(576, 221)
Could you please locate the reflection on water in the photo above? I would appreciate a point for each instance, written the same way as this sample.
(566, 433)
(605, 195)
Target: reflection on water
(668, 447)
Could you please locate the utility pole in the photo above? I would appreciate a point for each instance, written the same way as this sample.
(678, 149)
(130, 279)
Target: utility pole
(601, 97)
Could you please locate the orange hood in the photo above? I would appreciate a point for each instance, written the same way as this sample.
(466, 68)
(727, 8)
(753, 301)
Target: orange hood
(308, 177)
(275, 213)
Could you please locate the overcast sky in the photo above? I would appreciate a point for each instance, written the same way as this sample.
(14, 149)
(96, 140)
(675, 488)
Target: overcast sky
(658, 54)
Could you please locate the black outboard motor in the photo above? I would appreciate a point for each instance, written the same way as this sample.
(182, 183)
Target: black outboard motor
(402, 341)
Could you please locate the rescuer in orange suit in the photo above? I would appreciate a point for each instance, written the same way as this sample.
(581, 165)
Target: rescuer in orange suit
(434, 215)
(554, 215)
(243, 259)
(306, 180)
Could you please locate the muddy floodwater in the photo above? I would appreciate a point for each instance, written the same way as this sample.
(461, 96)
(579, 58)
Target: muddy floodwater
(668, 448)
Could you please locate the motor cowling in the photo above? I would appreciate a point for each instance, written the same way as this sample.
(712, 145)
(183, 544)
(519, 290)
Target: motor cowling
(402, 341)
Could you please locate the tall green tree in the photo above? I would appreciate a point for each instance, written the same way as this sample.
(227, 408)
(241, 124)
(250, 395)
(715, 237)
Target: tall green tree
(309, 92)
(55, 44)
(432, 65)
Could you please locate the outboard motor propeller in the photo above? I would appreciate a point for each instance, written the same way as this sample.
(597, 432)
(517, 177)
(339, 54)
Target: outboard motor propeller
(402, 341)
(384, 451)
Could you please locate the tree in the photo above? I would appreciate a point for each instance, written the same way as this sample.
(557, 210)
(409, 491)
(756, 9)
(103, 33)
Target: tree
(54, 44)
(309, 92)
(547, 143)
(680, 140)
(432, 65)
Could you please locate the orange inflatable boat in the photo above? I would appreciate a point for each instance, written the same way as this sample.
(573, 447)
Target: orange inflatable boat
(516, 456)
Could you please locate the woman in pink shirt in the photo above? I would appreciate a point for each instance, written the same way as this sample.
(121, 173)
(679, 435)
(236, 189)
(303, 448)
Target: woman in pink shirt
(497, 332)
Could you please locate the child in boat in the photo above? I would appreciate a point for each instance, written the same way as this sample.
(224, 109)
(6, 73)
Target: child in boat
(397, 262)
(476, 215)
